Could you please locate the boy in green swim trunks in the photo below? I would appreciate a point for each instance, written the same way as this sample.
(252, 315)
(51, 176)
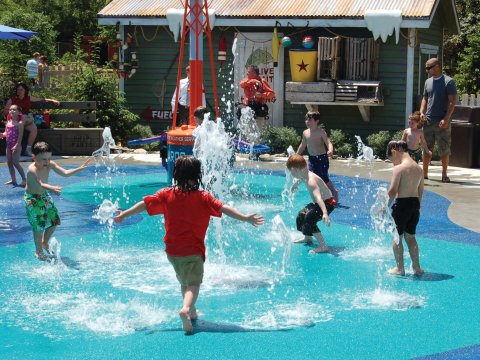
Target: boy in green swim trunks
(41, 211)
(187, 211)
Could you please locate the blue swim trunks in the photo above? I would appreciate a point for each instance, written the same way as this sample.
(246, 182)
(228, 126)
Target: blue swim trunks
(319, 165)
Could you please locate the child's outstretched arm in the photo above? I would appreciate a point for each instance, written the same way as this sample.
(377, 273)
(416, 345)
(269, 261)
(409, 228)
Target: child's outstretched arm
(64, 172)
(329, 143)
(134, 210)
(303, 145)
(317, 195)
(234, 213)
(33, 178)
(424, 144)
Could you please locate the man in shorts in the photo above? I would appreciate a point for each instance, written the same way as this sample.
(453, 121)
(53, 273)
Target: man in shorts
(438, 103)
(406, 188)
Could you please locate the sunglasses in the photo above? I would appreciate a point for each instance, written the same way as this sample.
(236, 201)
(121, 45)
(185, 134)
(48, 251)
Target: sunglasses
(430, 67)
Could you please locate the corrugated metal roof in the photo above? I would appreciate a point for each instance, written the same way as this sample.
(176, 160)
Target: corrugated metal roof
(274, 9)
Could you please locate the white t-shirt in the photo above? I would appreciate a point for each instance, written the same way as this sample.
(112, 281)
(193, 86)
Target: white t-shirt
(32, 68)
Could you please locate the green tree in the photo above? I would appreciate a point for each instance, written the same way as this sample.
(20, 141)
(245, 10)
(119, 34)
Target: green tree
(14, 54)
(468, 71)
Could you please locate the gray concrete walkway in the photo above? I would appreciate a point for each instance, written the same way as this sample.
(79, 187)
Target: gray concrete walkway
(463, 191)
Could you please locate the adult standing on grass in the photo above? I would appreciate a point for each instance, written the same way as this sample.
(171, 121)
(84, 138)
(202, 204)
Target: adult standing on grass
(23, 100)
(438, 103)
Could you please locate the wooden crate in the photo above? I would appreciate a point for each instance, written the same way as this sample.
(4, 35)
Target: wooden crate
(361, 59)
(329, 58)
(363, 92)
(298, 92)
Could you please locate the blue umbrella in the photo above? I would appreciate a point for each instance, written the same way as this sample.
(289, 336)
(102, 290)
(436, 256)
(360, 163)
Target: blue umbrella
(10, 33)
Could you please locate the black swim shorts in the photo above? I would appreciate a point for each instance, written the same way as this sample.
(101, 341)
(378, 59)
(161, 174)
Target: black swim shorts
(308, 217)
(406, 213)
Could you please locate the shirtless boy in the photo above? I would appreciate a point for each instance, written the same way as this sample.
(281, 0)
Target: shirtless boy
(321, 206)
(413, 136)
(41, 211)
(406, 188)
(314, 139)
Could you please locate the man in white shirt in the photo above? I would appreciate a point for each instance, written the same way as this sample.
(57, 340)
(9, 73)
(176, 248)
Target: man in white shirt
(32, 68)
(183, 100)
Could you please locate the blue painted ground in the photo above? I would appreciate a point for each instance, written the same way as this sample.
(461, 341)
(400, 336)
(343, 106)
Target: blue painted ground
(113, 295)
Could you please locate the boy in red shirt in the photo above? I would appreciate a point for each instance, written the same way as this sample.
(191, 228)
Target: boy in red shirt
(185, 230)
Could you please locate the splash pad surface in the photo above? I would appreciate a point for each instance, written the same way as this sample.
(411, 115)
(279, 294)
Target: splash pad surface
(113, 293)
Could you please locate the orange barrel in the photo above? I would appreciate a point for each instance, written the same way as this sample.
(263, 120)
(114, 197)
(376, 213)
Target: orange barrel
(179, 142)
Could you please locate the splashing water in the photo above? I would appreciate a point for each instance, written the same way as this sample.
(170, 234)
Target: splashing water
(107, 142)
(290, 151)
(364, 152)
(279, 227)
(102, 155)
(213, 148)
(247, 126)
(106, 211)
(382, 219)
(56, 247)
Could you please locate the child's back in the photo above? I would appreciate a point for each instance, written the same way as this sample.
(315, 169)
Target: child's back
(187, 215)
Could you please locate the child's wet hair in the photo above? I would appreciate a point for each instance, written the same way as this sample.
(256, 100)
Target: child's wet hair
(417, 118)
(187, 173)
(200, 112)
(296, 162)
(396, 145)
(315, 115)
(40, 148)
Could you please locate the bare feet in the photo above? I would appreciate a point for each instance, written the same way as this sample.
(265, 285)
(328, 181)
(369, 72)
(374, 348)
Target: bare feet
(319, 250)
(11, 182)
(418, 272)
(303, 240)
(48, 250)
(193, 314)
(395, 271)
(23, 183)
(41, 256)
(186, 321)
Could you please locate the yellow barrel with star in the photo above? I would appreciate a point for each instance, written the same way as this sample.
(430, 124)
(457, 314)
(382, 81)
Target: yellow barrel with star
(303, 65)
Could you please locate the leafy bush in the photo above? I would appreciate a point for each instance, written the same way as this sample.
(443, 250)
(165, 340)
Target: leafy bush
(342, 144)
(140, 131)
(397, 136)
(92, 83)
(378, 142)
(14, 54)
(279, 139)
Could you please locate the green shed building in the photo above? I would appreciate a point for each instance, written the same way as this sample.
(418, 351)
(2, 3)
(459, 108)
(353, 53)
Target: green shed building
(368, 72)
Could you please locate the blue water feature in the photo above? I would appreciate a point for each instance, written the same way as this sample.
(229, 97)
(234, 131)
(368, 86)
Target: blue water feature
(113, 295)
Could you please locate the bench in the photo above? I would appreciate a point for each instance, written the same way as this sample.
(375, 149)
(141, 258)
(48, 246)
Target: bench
(71, 141)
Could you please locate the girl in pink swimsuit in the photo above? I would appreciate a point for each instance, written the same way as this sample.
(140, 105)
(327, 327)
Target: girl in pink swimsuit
(14, 133)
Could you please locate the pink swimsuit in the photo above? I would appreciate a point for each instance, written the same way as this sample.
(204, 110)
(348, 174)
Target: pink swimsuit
(11, 131)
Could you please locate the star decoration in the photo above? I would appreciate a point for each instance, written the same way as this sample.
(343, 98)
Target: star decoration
(302, 66)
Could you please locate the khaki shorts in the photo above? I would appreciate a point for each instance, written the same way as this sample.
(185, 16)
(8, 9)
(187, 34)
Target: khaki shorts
(433, 133)
(189, 269)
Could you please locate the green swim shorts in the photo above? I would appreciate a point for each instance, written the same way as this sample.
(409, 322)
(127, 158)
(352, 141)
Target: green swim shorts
(41, 211)
(434, 134)
(189, 269)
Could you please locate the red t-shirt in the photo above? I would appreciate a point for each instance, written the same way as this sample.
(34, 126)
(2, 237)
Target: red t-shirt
(25, 103)
(187, 214)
